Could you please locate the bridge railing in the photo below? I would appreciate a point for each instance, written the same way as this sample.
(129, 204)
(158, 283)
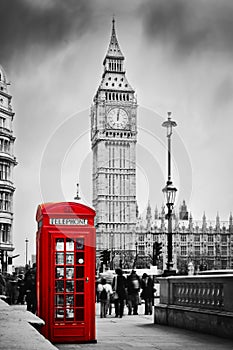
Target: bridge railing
(184, 300)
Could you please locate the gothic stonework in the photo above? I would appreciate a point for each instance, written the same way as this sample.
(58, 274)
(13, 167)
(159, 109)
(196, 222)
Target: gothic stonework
(208, 244)
(113, 138)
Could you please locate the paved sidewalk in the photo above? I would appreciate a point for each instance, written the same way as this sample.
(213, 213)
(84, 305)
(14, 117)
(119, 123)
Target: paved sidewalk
(139, 332)
(16, 332)
(127, 333)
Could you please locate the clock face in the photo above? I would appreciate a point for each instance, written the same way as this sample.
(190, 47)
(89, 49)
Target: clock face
(117, 118)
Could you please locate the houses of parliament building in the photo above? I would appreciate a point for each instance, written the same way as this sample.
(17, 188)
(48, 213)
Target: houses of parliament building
(207, 244)
(119, 228)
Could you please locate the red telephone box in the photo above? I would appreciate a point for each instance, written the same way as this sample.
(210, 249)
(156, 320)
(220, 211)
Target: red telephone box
(65, 247)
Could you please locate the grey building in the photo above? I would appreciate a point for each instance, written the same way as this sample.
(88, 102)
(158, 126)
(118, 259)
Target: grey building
(208, 244)
(113, 139)
(7, 163)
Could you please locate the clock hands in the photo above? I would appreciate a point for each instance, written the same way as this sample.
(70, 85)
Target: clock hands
(118, 112)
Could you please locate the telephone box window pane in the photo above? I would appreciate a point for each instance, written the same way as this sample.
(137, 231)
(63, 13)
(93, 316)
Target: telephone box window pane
(69, 244)
(59, 314)
(59, 299)
(59, 258)
(79, 315)
(70, 258)
(70, 272)
(80, 258)
(60, 286)
(59, 244)
(79, 300)
(79, 244)
(69, 300)
(80, 286)
(70, 313)
(60, 272)
(69, 286)
(79, 271)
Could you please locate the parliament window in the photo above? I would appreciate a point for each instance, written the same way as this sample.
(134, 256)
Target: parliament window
(210, 250)
(183, 238)
(210, 238)
(183, 250)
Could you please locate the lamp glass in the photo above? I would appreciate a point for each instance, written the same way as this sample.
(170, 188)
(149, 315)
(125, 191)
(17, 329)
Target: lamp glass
(170, 193)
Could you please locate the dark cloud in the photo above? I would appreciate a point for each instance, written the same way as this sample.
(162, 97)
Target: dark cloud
(26, 24)
(190, 26)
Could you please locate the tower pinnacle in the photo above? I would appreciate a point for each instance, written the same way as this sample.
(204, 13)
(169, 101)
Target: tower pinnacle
(114, 50)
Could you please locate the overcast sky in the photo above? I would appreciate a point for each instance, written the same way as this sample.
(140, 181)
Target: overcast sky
(178, 58)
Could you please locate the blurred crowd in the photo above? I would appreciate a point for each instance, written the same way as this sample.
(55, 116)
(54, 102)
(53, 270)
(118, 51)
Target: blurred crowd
(19, 288)
(124, 291)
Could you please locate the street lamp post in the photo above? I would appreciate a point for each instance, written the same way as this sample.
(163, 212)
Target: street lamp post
(136, 254)
(170, 193)
(77, 197)
(26, 242)
(112, 256)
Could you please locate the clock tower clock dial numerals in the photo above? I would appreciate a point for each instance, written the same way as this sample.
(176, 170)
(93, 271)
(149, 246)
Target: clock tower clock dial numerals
(117, 118)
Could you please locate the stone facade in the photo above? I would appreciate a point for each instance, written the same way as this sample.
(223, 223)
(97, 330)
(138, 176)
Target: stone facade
(208, 244)
(7, 163)
(113, 138)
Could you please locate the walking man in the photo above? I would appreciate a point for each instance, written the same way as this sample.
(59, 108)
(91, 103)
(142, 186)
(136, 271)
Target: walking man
(133, 288)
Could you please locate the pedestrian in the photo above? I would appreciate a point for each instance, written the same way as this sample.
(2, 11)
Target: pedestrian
(30, 288)
(108, 275)
(104, 296)
(119, 285)
(133, 288)
(7, 277)
(14, 290)
(2, 284)
(147, 293)
(97, 282)
(21, 288)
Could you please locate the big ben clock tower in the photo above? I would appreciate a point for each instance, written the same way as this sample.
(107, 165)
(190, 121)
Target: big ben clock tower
(113, 138)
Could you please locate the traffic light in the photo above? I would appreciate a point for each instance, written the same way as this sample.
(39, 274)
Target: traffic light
(102, 255)
(105, 256)
(157, 250)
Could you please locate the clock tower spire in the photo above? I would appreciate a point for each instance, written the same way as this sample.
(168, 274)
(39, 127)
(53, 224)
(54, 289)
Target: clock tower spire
(114, 50)
(113, 138)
